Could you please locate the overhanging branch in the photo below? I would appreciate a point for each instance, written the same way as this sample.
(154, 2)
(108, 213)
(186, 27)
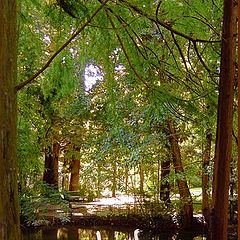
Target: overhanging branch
(47, 64)
(165, 25)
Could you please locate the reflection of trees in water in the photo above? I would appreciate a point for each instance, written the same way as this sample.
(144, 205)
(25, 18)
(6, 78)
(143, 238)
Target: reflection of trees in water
(189, 236)
(149, 235)
(111, 234)
(75, 233)
(98, 235)
(49, 234)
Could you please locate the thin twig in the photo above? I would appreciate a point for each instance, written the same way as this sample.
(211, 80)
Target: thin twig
(125, 52)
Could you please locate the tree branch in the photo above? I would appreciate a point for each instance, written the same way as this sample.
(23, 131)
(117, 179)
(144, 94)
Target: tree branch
(200, 57)
(166, 26)
(42, 69)
(125, 52)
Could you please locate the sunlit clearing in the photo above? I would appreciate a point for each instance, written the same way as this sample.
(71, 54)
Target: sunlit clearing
(119, 200)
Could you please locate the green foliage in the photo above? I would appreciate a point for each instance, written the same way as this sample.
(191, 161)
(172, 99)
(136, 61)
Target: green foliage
(149, 69)
(36, 200)
(153, 209)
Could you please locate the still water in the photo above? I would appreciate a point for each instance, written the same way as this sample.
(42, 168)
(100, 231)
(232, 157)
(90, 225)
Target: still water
(75, 233)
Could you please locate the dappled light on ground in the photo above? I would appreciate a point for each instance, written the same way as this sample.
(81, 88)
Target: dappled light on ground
(90, 208)
(120, 200)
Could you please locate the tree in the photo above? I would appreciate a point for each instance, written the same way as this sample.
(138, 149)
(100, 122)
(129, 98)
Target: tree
(223, 150)
(205, 177)
(75, 174)
(9, 209)
(74, 179)
(51, 164)
(185, 195)
(165, 184)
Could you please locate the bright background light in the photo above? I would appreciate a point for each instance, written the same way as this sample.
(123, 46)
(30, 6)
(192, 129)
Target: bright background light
(92, 74)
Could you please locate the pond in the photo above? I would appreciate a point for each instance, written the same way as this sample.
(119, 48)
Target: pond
(75, 233)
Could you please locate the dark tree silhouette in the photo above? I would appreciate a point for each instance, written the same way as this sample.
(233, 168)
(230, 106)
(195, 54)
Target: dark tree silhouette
(9, 214)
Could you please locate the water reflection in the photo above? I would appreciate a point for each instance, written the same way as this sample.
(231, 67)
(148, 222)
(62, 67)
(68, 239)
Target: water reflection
(74, 233)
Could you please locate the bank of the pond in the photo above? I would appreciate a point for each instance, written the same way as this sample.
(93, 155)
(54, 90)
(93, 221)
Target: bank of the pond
(104, 215)
(155, 224)
(164, 226)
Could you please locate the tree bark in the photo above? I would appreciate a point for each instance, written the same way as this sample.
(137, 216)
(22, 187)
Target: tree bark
(51, 165)
(219, 215)
(205, 177)
(185, 195)
(9, 208)
(74, 179)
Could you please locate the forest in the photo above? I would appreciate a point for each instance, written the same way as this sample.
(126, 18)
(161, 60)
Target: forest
(119, 119)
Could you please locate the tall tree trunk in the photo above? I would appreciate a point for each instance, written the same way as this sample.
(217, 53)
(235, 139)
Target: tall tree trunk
(165, 185)
(9, 209)
(74, 179)
(114, 182)
(65, 183)
(223, 149)
(65, 177)
(141, 176)
(51, 164)
(99, 174)
(185, 195)
(238, 132)
(126, 173)
(205, 177)
(158, 181)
